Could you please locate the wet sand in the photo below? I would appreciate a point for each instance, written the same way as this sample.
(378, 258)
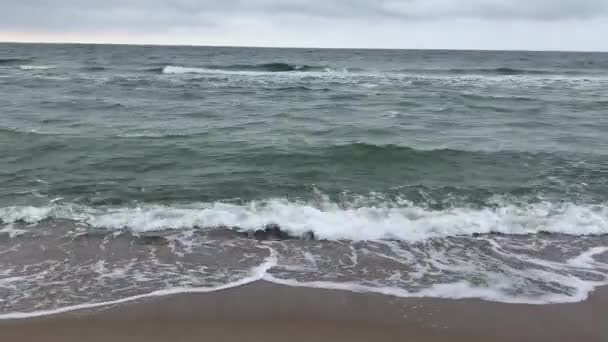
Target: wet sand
(267, 312)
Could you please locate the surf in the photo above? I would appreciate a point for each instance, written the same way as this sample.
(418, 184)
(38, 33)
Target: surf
(243, 69)
(332, 221)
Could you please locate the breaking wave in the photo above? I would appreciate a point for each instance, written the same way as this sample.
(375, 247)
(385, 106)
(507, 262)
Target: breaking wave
(334, 221)
(238, 69)
(36, 67)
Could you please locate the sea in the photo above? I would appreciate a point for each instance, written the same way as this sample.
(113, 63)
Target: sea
(129, 172)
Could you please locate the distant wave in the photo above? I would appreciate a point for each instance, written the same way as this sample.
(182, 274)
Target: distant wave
(94, 68)
(500, 71)
(483, 97)
(396, 152)
(170, 69)
(298, 89)
(241, 68)
(279, 68)
(16, 132)
(154, 70)
(9, 61)
(36, 67)
(158, 135)
(391, 157)
(271, 67)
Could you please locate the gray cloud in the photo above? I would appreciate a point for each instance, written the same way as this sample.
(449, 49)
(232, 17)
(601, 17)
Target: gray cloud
(500, 9)
(293, 17)
(137, 14)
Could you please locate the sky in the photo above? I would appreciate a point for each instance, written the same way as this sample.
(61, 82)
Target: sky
(580, 25)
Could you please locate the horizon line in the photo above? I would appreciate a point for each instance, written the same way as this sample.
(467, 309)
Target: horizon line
(290, 47)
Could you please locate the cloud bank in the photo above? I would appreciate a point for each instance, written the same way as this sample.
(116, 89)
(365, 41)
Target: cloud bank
(492, 24)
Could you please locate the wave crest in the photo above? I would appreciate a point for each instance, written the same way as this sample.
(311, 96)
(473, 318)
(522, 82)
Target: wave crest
(335, 221)
(241, 68)
(271, 67)
(36, 67)
(9, 61)
(498, 71)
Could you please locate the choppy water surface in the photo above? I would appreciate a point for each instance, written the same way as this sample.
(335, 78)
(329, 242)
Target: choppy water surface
(130, 171)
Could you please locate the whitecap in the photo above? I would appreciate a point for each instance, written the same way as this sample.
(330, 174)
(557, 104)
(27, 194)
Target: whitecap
(332, 221)
(36, 67)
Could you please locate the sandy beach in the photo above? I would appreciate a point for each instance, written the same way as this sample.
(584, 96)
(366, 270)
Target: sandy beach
(267, 312)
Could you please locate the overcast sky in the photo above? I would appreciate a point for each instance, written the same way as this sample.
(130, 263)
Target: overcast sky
(446, 24)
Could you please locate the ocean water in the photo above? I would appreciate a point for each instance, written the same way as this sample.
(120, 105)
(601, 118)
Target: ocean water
(128, 172)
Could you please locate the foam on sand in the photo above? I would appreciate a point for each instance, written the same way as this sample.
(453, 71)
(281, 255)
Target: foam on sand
(255, 274)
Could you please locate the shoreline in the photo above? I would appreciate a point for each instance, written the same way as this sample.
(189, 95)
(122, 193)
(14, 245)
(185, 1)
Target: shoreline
(263, 311)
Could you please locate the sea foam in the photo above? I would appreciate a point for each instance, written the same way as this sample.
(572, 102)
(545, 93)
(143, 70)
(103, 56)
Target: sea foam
(334, 221)
(255, 274)
(36, 67)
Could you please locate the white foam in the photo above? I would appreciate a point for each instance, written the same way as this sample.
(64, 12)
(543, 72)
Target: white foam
(12, 231)
(171, 69)
(497, 288)
(330, 221)
(586, 259)
(255, 274)
(511, 80)
(31, 214)
(509, 285)
(36, 67)
(334, 222)
(456, 290)
(25, 214)
(174, 69)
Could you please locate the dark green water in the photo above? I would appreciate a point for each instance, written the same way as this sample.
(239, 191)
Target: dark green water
(349, 144)
(118, 125)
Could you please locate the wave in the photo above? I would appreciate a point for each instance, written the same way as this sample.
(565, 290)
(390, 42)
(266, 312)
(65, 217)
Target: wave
(18, 132)
(401, 154)
(328, 220)
(241, 68)
(155, 70)
(9, 61)
(270, 67)
(499, 71)
(392, 153)
(484, 97)
(495, 268)
(158, 135)
(299, 89)
(170, 69)
(94, 68)
(36, 67)
(293, 68)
